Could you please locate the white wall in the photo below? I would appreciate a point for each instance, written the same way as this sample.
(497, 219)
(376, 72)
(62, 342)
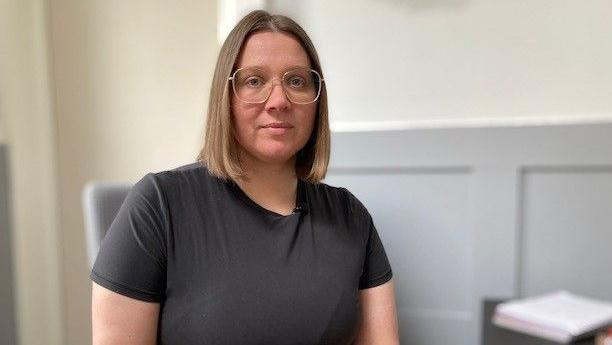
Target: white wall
(2, 130)
(424, 60)
(132, 81)
(29, 132)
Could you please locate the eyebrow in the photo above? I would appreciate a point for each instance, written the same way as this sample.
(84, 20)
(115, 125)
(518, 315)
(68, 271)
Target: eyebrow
(266, 68)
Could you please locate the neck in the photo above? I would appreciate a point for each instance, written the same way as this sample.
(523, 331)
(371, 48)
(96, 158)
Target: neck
(273, 186)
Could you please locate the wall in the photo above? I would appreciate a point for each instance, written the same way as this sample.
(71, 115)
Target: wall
(454, 60)
(8, 331)
(28, 128)
(7, 300)
(472, 213)
(2, 130)
(132, 81)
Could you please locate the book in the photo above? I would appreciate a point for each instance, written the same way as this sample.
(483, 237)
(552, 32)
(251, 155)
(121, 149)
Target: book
(559, 316)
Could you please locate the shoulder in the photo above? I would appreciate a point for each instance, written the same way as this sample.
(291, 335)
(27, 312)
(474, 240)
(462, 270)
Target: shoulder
(337, 198)
(180, 174)
(183, 176)
(175, 185)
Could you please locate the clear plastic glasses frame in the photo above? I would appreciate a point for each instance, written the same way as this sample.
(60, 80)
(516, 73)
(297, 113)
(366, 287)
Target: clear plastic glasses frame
(282, 84)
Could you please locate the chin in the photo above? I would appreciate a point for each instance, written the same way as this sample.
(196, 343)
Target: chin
(276, 156)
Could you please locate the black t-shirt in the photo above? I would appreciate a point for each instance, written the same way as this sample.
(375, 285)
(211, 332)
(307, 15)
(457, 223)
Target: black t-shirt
(228, 271)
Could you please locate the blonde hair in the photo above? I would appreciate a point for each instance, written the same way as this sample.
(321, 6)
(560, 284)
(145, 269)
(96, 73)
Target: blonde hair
(220, 151)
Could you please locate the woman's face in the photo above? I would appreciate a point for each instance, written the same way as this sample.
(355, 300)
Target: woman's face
(273, 131)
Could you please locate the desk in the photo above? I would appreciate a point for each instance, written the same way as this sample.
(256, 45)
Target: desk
(493, 335)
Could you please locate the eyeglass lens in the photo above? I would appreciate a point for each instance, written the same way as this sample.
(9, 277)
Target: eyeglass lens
(253, 85)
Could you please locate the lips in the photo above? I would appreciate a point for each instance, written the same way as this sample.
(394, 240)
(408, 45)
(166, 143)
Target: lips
(278, 125)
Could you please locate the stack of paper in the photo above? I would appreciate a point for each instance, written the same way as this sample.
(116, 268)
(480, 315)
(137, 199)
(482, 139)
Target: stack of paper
(559, 316)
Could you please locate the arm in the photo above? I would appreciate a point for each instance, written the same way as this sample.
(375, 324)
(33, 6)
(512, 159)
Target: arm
(378, 316)
(117, 319)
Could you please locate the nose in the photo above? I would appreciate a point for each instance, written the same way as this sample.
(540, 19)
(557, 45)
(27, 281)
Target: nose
(278, 99)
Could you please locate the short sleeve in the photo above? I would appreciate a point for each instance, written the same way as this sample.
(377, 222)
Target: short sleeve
(132, 256)
(376, 267)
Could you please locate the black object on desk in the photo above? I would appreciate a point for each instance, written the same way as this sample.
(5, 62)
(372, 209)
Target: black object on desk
(493, 335)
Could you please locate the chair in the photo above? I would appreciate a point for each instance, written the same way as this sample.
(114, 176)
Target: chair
(101, 201)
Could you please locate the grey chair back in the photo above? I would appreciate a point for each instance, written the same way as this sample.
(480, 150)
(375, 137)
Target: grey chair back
(101, 201)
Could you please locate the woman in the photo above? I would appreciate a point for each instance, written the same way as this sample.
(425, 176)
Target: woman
(247, 246)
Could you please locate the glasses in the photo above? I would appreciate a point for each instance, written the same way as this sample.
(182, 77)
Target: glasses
(254, 85)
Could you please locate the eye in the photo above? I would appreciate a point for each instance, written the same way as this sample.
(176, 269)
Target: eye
(253, 81)
(296, 82)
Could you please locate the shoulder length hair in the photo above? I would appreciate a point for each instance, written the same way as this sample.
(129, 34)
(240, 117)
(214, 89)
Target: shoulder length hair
(220, 151)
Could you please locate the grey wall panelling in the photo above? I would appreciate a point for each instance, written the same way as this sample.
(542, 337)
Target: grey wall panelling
(7, 315)
(471, 213)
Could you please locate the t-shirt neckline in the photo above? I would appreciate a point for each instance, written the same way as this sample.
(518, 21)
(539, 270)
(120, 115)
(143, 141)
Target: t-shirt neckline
(300, 202)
